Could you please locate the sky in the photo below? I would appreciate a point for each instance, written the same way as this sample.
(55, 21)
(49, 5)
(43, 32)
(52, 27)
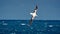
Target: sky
(21, 9)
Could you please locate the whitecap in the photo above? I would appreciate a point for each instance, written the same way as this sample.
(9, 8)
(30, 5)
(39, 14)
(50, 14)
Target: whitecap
(23, 24)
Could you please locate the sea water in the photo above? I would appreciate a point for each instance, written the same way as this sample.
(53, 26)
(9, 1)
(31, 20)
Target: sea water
(22, 27)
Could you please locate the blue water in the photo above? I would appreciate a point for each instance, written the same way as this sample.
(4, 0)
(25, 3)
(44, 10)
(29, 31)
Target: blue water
(22, 27)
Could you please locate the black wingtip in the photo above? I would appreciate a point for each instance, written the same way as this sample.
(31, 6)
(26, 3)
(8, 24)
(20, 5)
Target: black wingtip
(30, 22)
(36, 7)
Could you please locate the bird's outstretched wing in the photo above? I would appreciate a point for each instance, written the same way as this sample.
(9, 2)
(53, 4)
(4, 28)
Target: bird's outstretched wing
(35, 8)
(30, 22)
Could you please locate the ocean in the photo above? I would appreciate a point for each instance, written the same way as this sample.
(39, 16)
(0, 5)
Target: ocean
(22, 27)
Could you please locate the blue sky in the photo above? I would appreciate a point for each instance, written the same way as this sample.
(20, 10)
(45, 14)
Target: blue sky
(21, 9)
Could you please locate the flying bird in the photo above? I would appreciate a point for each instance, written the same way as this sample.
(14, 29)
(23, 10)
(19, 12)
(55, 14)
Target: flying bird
(33, 14)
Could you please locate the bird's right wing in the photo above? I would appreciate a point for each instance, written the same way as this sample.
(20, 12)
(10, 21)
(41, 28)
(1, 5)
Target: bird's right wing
(31, 21)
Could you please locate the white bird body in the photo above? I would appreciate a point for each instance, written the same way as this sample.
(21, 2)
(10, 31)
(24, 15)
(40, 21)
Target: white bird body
(34, 14)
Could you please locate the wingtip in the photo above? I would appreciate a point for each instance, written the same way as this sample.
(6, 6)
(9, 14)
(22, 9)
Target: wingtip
(36, 7)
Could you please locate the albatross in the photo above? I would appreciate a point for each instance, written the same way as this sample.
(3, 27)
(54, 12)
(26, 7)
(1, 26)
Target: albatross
(33, 14)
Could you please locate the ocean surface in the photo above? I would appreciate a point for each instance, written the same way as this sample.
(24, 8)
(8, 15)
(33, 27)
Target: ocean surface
(22, 27)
